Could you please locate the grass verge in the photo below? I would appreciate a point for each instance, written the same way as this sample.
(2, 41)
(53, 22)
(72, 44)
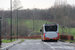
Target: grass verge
(21, 41)
(7, 41)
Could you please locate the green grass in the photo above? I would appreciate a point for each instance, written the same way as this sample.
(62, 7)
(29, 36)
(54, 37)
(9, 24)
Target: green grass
(73, 31)
(29, 24)
(21, 41)
(67, 32)
(7, 41)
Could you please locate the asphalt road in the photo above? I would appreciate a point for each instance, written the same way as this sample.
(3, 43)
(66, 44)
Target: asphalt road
(39, 45)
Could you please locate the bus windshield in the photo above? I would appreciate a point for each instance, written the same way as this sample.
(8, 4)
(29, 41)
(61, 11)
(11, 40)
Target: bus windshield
(50, 28)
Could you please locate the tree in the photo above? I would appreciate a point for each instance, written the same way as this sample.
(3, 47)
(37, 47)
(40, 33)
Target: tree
(16, 5)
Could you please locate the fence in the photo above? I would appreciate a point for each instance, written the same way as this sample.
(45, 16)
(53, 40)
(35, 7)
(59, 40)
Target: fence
(67, 37)
(24, 37)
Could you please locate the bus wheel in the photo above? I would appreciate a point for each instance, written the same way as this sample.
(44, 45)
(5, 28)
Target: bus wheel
(41, 40)
(56, 40)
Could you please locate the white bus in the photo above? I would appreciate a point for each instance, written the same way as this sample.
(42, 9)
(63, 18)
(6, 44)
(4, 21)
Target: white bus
(50, 32)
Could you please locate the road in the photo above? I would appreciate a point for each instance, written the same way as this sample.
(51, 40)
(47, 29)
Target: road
(39, 45)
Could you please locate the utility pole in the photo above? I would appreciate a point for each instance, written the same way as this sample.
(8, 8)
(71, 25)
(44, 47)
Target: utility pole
(5, 27)
(17, 20)
(11, 17)
(17, 23)
(0, 32)
(33, 16)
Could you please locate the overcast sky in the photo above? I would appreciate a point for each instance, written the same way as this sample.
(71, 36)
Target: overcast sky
(41, 4)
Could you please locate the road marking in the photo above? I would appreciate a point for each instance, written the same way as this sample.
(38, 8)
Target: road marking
(30, 43)
(49, 45)
(63, 47)
(60, 47)
(66, 43)
(37, 43)
(23, 43)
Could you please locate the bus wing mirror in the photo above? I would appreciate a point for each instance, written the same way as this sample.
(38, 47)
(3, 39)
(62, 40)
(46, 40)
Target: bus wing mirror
(40, 30)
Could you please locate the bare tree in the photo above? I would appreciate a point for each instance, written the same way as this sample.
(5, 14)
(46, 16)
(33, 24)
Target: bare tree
(16, 5)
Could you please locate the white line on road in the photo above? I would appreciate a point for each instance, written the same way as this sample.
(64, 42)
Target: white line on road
(66, 43)
(23, 43)
(29, 43)
(49, 45)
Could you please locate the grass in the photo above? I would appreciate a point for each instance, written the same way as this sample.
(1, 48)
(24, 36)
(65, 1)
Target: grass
(66, 32)
(29, 25)
(21, 41)
(73, 31)
(7, 41)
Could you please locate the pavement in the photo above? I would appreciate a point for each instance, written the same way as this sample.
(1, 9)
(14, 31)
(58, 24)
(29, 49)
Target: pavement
(6, 46)
(37, 44)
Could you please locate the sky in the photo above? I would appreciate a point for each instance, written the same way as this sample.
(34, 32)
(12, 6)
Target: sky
(41, 4)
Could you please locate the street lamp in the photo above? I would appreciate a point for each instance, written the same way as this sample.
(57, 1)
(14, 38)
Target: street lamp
(11, 17)
(17, 20)
(33, 16)
(0, 32)
(5, 28)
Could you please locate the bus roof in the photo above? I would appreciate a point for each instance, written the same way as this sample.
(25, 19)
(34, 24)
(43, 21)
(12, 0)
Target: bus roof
(49, 24)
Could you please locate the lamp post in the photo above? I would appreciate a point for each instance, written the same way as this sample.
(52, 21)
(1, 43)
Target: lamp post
(11, 18)
(17, 23)
(5, 28)
(33, 16)
(17, 20)
(0, 32)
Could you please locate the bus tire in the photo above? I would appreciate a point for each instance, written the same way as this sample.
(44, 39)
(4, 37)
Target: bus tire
(56, 40)
(41, 40)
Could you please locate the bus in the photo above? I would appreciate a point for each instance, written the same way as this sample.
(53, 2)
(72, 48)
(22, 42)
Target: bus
(50, 32)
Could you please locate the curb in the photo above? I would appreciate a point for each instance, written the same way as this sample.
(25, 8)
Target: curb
(7, 47)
